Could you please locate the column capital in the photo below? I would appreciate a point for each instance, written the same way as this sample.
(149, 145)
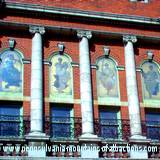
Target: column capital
(87, 34)
(129, 38)
(36, 29)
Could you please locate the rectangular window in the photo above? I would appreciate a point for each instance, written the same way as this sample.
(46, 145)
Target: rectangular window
(61, 121)
(9, 120)
(109, 123)
(153, 125)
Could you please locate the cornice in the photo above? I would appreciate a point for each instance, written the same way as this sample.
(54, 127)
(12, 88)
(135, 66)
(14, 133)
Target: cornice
(89, 15)
(24, 27)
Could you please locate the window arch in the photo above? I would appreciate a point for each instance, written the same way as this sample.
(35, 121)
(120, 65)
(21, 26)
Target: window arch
(107, 80)
(61, 78)
(150, 80)
(11, 73)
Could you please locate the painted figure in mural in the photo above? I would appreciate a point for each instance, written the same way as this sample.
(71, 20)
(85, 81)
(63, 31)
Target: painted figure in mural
(107, 77)
(62, 75)
(152, 81)
(9, 73)
(0, 75)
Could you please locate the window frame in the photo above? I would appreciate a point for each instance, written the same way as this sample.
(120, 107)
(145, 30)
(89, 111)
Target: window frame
(152, 124)
(118, 120)
(70, 123)
(19, 121)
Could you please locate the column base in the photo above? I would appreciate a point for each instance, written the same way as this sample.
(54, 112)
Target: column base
(138, 137)
(88, 136)
(138, 149)
(89, 144)
(37, 136)
(37, 149)
(90, 150)
(37, 144)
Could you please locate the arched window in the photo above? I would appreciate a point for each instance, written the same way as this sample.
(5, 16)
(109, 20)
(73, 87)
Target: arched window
(61, 78)
(107, 80)
(150, 81)
(11, 73)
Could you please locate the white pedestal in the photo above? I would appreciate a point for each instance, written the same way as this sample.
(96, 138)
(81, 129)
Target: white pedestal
(37, 144)
(138, 149)
(89, 146)
(36, 149)
(137, 152)
(90, 151)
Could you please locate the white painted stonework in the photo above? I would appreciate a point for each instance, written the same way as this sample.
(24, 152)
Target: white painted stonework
(90, 152)
(132, 93)
(36, 81)
(36, 152)
(85, 84)
(135, 154)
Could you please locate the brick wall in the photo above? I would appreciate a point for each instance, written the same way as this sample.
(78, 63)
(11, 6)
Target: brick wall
(117, 52)
(150, 9)
(38, 19)
(23, 43)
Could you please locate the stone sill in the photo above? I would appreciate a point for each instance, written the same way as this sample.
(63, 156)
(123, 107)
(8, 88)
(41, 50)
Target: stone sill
(11, 139)
(55, 158)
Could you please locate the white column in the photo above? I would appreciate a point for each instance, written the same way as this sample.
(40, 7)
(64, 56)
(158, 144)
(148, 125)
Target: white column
(132, 93)
(36, 81)
(85, 84)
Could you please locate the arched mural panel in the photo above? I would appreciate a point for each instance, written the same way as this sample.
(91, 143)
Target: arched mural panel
(107, 80)
(150, 81)
(61, 78)
(11, 73)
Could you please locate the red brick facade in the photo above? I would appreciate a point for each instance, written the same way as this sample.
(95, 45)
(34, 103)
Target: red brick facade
(50, 39)
(23, 43)
(111, 6)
